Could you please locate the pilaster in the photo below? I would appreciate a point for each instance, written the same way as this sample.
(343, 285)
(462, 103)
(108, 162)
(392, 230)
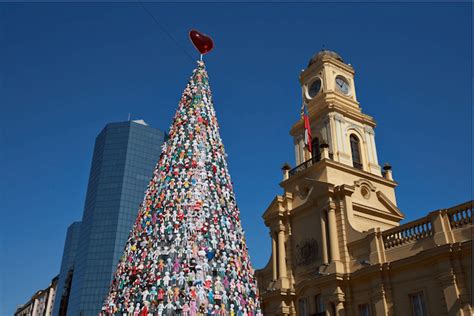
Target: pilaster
(274, 256)
(450, 289)
(441, 228)
(324, 244)
(377, 249)
(378, 298)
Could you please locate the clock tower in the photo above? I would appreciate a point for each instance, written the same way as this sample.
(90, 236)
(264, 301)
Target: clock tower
(332, 198)
(328, 89)
(337, 246)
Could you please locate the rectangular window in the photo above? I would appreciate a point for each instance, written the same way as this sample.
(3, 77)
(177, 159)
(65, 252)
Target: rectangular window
(418, 304)
(320, 310)
(364, 310)
(303, 307)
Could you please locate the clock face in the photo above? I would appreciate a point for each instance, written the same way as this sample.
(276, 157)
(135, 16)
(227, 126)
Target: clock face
(342, 85)
(314, 88)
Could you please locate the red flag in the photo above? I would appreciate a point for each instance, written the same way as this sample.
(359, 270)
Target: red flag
(307, 129)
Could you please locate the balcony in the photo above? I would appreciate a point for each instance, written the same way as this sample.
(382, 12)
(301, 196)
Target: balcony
(305, 165)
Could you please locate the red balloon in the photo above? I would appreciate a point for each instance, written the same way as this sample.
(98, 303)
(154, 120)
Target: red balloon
(202, 42)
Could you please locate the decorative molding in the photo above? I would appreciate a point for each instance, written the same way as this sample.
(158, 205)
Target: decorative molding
(369, 130)
(281, 228)
(345, 189)
(361, 182)
(365, 209)
(340, 118)
(389, 204)
(303, 191)
(357, 129)
(274, 209)
(307, 252)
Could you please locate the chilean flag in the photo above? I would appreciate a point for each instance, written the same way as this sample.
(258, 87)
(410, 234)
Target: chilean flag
(307, 129)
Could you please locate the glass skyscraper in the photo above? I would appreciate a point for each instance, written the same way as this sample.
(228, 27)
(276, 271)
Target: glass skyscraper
(67, 269)
(125, 155)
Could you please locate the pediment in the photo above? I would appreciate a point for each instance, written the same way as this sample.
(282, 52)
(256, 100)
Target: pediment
(389, 205)
(390, 211)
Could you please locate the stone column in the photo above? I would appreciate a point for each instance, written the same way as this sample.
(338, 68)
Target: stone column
(333, 239)
(324, 246)
(281, 253)
(274, 257)
(339, 308)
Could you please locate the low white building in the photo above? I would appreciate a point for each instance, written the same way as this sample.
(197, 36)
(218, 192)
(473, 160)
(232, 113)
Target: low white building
(41, 303)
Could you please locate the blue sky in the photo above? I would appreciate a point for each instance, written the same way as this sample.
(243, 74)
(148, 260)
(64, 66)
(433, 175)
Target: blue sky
(68, 69)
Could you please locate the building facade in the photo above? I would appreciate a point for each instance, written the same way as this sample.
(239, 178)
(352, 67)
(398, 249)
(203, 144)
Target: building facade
(67, 269)
(125, 155)
(41, 303)
(337, 245)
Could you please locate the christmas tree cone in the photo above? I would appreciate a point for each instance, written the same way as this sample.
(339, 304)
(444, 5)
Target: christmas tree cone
(186, 253)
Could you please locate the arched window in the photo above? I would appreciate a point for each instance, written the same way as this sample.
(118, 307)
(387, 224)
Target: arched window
(315, 148)
(355, 151)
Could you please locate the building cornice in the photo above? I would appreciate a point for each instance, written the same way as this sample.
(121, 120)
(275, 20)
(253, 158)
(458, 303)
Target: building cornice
(319, 281)
(340, 166)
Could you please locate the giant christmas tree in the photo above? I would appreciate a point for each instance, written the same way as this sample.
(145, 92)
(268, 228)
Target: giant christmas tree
(186, 253)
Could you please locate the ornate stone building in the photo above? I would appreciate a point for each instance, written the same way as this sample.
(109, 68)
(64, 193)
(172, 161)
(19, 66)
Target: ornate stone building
(337, 245)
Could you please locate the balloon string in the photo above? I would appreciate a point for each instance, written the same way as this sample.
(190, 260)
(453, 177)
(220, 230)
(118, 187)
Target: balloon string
(165, 31)
(201, 57)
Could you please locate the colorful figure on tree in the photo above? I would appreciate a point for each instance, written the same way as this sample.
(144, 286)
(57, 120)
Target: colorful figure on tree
(186, 253)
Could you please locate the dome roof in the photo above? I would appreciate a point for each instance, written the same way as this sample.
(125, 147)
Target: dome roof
(323, 53)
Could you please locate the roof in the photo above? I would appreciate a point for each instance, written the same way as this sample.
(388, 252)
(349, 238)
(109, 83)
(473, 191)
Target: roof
(324, 53)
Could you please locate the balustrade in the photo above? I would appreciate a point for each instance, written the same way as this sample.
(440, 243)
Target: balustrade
(460, 215)
(308, 163)
(408, 232)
